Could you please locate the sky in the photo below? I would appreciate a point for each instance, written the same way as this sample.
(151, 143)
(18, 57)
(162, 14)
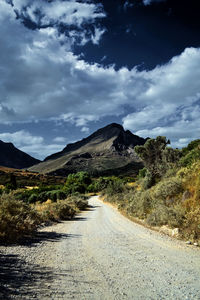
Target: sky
(69, 67)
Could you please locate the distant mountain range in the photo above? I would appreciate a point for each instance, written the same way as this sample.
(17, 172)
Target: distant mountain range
(12, 157)
(108, 151)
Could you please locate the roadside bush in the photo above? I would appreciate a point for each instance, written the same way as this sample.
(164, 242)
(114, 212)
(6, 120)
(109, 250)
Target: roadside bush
(78, 202)
(163, 215)
(191, 228)
(115, 186)
(168, 188)
(140, 204)
(17, 219)
(56, 211)
(65, 210)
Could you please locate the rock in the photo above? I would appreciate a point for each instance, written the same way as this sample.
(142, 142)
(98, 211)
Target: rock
(175, 232)
(171, 232)
(188, 243)
(196, 244)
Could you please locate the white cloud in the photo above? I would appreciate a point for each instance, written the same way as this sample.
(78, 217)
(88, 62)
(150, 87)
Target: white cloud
(59, 139)
(98, 32)
(34, 145)
(41, 151)
(20, 138)
(170, 105)
(69, 12)
(65, 14)
(85, 129)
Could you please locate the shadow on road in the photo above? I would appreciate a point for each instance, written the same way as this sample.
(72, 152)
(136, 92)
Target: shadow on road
(22, 280)
(80, 219)
(92, 207)
(18, 279)
(48, 236)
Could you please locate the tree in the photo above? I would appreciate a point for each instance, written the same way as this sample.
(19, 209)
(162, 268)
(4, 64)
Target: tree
(77, 182)
(157, 157)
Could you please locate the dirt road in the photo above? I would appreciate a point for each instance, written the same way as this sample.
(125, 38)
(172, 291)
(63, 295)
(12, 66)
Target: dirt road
(100, 255)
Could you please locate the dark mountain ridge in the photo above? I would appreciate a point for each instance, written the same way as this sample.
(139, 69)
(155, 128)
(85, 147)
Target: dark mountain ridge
(124, 139)
(109, 150)
(12, 157)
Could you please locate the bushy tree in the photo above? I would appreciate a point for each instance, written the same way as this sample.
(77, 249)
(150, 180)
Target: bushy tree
(157, 157)
(77, 182)
(192, 145)
(191, 153)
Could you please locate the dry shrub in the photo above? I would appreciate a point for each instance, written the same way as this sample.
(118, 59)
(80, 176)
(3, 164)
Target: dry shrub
(55, 211)
(191, 228)
(163, 215)
(168, 188)
(140, 204)
(17, 219)
(78, 202)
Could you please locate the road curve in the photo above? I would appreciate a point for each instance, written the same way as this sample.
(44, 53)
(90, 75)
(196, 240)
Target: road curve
(101, 255)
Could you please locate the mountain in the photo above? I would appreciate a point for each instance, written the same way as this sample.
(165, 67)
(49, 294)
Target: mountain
(12, 157)
(108, 151)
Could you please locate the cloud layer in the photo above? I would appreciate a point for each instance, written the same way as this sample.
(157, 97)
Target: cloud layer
(41, 78)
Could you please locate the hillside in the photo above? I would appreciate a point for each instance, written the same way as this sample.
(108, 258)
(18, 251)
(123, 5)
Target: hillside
(12, 157)
(108, 151)
(24, 178)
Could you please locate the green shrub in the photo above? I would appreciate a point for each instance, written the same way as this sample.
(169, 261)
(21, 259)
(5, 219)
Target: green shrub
(77, 183)
(32, 198)
(115, 186)
(148, 181)
(190, 157)
(17, 219)
(142, 173)
(192, 145)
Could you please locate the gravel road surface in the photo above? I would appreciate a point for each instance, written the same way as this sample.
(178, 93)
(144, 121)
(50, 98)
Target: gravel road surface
(100, 255)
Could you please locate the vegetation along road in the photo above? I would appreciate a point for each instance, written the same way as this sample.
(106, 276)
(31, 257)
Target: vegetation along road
(100, 255)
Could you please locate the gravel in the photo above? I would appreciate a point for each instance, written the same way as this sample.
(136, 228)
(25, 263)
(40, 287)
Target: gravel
(100, 255)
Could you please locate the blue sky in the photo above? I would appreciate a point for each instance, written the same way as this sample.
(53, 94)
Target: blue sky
(69, 67)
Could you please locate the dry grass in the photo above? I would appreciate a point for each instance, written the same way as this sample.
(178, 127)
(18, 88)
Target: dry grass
(17, 219)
